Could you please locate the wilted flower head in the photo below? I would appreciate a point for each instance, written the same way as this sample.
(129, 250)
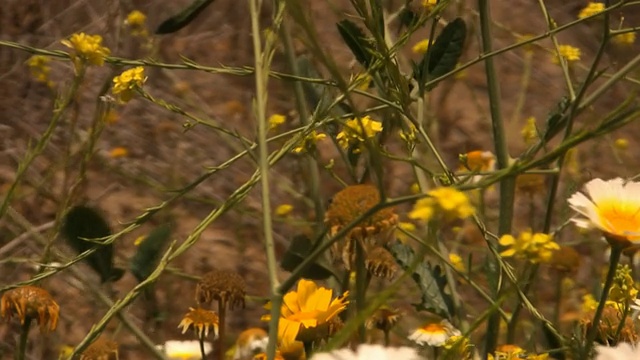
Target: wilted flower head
(31, 303)
(185, 350)
(370, 352)
(125, 84)
(611, 206)
(566, 259)
(226, 287)
(250, 342)
(202, 322)
(384, 319)
(351, 203)
(310, 307)
(87, 47)
(101, 349)
(381, 263)
(434, 333)
(448, 201)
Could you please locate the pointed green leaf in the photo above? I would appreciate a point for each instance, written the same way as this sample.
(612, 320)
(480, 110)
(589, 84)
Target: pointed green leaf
(300, 247)
(150, 251)
(442, 57)
(432, 298)
(183, 18)
(355, 39)
(84, 227)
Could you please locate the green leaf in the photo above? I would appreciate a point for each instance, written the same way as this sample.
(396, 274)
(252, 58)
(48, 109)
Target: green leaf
(443, 55)
(355, 39)
(150, 251)
(84, 227)
(433, 298)
(184, 18)
(300, 247)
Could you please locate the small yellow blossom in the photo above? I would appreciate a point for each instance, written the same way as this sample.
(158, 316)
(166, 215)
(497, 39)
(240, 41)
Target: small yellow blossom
(456, 261)
(420, 47)
(529, 132)
(139, 240)
(87, 47)
(625, 38)
(356, 131)
(621, 144)
(111, 117)
(478, 160)
(136, 20)
(535, 247)
(624, 288)
(402, 228)
(362, 80)
(568, 52)
(118, 152)
(592, 8)
(415, 188)
(276, 120)
(284, 209)
(589, 303)
(448, 201)
(409, 136)
(126, 83)
(40, 69)
(429, 4)
(308, 142)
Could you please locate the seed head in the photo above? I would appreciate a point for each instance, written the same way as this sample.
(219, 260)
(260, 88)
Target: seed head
(224, 286)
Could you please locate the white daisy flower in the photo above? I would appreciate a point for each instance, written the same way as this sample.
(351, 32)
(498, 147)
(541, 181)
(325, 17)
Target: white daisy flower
(250, 342)
(611, 206)
(434, 334)
(185, 350)
(622, 351)
(369, 352)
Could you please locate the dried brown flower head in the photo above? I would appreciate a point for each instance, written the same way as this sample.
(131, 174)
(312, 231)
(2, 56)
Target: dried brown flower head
(28, 303)
(101, 349)
(224, 286)
(610, 325)
(384, 319)
(381, 263)
(351, 203)
(530, 184)
(202, 321)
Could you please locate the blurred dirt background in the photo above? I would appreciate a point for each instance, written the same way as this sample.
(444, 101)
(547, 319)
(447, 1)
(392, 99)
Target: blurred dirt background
(163, 156)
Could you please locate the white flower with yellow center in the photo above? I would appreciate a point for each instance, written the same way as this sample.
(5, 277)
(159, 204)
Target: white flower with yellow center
(434, 334)
(611, 206)
(622, 351)
(185, 350)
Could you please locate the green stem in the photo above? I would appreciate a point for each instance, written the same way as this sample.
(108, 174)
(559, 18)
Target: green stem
(558, 299)
(308, 349)
(507, 186)
(24, 335)
(222, 310)
(201, 341)
(513, 322)
(361, 285)
(616, 251)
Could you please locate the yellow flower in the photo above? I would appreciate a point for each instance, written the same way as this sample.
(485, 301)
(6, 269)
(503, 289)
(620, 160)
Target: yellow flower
(118, 152)
(136, 18)
(611, 206)
(449, 201)
(568, 52)
(202, 321)
(457, 262)
(126, 83)
(529, 132)
(356, 131)
(429, 4)
(420, 47)
(284, 209)
(87, 47)
(592, 8)
(308, 307)
(362, 80)
(40, 69)
(623, 289)
(536, 247)
(434, 334)
(625, 38)
(308, 142)
(406, 226)
(621, 144)
(589, 303)
(276, 120)
(31, 303)
(478, 161)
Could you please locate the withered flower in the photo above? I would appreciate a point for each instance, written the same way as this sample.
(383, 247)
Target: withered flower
(224, 286)
(565, 260)
(202, 321)
(381, 263)
(101, 349)
(610, 330)
(28, 303)
(384, 319)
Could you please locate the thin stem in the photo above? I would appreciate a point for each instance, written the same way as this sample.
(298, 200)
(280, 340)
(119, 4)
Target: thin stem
(513, 322)
(616, 251)
(361, 286)
(222, 315)
(24, 335)
(201, 341)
